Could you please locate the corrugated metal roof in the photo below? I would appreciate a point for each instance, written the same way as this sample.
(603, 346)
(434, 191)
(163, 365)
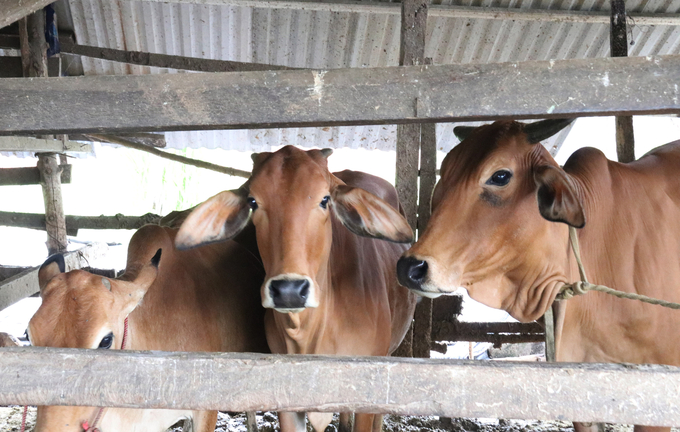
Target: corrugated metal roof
(319, 39)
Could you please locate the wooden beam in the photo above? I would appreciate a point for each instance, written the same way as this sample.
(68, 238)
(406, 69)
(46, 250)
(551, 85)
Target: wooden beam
(40, 145)
(628, 394)
(174, 157)
(8, 41)
(618, 43)
(542, 89)
(13, 10)
(12, 67)
(34, 59)
(444, 11)
(29, 176)
(162, 60)
(25, 284)
(75, 223)
(411, 52)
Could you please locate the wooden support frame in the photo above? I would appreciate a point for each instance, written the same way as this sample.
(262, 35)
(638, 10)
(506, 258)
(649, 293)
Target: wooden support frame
(161, 60)
(40, 145)
(443, 11)
(75, 223)
(13, 10)
(29, 176)
(618, 43)
(25, 284)
(613, 393)
(409, 94)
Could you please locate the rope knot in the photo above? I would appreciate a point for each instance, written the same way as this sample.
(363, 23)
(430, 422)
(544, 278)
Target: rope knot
(573, 289)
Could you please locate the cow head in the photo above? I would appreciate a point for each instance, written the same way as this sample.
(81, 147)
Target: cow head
(83, 310)
(492, 228)
(291, 197)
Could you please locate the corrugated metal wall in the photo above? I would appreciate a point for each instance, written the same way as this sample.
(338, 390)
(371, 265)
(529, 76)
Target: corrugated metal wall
(311, 39)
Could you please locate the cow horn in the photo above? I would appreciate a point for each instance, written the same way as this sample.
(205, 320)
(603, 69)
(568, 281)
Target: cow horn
(540, 130)
(325, 152)
(462, 132)
(254, 156)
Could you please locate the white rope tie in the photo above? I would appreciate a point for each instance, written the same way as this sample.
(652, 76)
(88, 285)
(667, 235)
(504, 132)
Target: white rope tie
(568, 291)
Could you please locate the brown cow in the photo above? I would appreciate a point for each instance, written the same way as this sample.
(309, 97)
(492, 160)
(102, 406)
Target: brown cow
(198, 300)
(493, 232)
(328, 291)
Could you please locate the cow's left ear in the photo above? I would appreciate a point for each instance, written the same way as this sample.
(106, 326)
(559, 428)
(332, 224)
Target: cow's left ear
(557, 198)
(219, 218)
(52, 266)
(368, 215)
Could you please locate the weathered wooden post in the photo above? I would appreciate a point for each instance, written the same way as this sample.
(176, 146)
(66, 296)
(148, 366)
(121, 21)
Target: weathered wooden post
(34, 62)
(412, 52)
(618, 43)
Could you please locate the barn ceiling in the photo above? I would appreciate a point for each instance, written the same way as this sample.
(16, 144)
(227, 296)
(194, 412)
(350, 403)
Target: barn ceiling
(322, 39)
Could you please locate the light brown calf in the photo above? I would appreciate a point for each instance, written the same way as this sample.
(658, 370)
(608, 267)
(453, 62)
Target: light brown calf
(198, 300)
(327, 290)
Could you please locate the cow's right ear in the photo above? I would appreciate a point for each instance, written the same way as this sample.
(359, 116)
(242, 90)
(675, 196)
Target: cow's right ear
(219, 218)
(557, 197)
(52, 266)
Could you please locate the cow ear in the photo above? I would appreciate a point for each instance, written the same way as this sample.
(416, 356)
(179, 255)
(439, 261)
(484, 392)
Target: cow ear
(462, 132)
(136, 281)
(219, 218)
(557, 198)
(52, 266)
(367, 215)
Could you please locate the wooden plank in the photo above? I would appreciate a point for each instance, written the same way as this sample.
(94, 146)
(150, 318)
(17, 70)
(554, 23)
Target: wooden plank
(13, 10)
(74, 223)
(29, 176)
(12, 67)
(55, 220)
(8, 41)
(40, 145)
(618, 43)
(443, 11)
(162, 60)
(411, 52)
(25, 284)
(497, 333)
(251, 382)
(561, 88)
(172, 156)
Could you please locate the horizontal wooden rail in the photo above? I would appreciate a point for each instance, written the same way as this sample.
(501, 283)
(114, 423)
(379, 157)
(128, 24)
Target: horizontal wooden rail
(74, 223)
(161, 60)
(24, 284)
(497, 333)
(565, 88)
(29, 176)
(248, 382)
(28, 144)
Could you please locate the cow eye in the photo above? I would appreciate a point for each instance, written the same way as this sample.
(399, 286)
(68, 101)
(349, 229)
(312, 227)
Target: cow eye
(500, 178)
(324, 201)
(106, 342)
(252, 203)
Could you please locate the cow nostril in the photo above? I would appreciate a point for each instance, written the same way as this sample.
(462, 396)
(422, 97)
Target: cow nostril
(287, 293)
(417, 271)
(411, 272)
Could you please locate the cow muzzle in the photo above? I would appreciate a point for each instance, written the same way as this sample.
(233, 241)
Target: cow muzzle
(413, 274)
(289, 293)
